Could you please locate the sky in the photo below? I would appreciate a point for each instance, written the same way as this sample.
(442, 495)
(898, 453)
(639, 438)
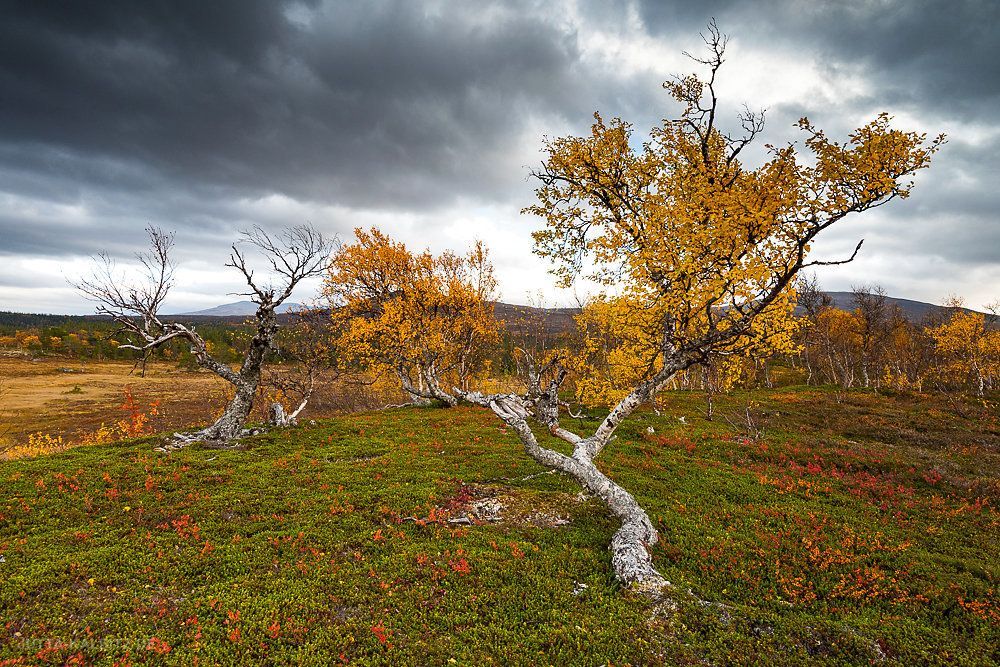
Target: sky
(425, 119)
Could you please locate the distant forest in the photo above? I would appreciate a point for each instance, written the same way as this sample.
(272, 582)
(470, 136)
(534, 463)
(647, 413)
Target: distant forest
(861, 339)
(93, 337)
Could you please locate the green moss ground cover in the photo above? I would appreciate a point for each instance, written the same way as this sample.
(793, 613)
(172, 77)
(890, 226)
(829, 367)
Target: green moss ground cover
(860, 528)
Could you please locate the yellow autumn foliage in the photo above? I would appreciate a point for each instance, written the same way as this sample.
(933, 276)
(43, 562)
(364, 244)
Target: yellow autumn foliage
(701, 250)
(622, 346)
(968, 348)
(426, 319)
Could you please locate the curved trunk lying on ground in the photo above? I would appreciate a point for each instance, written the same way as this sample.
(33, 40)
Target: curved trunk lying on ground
(631, 559)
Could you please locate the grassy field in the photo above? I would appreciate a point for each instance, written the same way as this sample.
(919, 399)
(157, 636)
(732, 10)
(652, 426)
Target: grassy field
(859, 529)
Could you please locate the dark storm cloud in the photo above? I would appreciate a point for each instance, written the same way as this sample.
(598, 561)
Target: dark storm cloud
(191, 115)
(935, 55)
(369, 102)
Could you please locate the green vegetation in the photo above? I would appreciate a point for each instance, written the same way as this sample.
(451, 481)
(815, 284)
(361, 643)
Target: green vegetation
(861, 526)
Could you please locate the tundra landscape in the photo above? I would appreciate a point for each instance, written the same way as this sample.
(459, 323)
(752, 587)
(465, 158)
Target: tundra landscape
(801, 524)
(373, 457)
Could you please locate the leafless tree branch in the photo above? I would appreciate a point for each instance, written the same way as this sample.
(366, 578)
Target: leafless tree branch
(295, 254)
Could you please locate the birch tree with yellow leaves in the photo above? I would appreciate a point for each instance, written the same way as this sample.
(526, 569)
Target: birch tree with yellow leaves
(621, 343)
(426, 320)
(967, 349)
(703, 250)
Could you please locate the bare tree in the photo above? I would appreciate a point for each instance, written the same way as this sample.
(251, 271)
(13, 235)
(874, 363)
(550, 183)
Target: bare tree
(829, 344)
(295, 254)
(873, 324)
(544, 382)
(812, 300)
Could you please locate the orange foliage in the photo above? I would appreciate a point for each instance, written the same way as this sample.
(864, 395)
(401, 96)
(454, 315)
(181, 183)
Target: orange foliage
(426, 319)
(136, 423)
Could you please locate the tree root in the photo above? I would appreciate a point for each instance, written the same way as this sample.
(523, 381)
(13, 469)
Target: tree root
(206, 439)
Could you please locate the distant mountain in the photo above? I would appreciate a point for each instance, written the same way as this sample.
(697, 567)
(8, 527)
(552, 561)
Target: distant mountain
(560, 320)
(914, 310)
(554, 320)
(550, 321)
(238, 309)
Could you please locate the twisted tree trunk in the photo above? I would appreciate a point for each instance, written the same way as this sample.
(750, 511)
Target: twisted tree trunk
(298, 253)
(631, 559)
(230, 425)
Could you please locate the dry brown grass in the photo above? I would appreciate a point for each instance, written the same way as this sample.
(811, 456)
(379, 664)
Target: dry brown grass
(69, 399)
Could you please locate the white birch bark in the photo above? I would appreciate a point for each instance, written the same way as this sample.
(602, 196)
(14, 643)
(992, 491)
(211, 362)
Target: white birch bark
(631, 559)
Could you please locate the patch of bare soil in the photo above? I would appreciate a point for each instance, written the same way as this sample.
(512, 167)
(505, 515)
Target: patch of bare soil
(495, 503)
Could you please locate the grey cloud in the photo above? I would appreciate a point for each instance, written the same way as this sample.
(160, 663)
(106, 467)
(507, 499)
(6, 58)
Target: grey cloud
(384, 106)
(120, 114)
(935, 54)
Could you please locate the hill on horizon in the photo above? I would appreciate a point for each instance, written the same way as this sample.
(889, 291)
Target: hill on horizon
(236, 309)
(915, 311)
(551, 320)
